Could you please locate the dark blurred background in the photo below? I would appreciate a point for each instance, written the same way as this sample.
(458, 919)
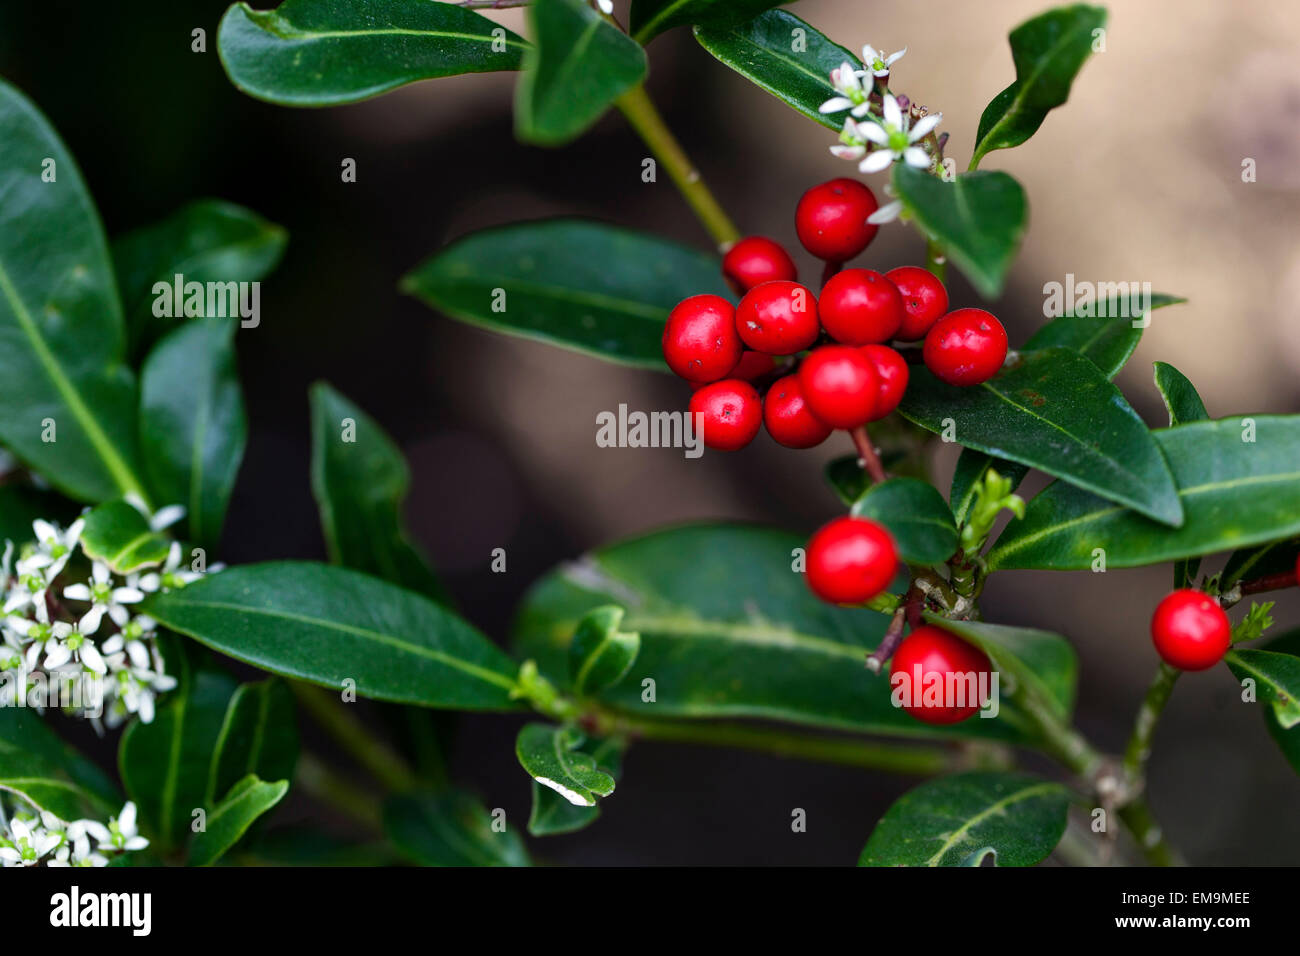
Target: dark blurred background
(1137, 179)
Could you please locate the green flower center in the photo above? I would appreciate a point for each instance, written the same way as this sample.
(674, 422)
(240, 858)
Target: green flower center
(898, 140)
(101, 593)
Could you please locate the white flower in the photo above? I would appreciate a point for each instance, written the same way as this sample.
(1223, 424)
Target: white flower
(170, 576)
(852, 96)
(877, 64)
(28, 591)
(852, 144)
(894, 141)
(27, 843)
(67, 643)
(138, 679)
(164, 517)
(104, 598)
(121, 832)
(888, 212)
(76, 851)
(606, 6)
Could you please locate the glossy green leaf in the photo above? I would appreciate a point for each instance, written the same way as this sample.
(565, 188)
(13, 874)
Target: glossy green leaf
(37, 765)
(360, 480)
(1277, 680)
(551, 756)
(1048, 50)
(328, 625)
(327, 52)
(580, 64)
(1180, 396)
(728, 629)
(120, 536)
(943, 822)
(228, 821)
(978, 857)
(785, 56)
(1054, 410)
(1288, 741)
(1234, 493)
(20, 505)
(259, 735)
(649, 18)
(979, 218)
(601, 654)
(306, 845)
(1107, 333)
(205, 241)
(450, 829)
(582, 285)
(915, 514)
(1276, 557)
(68, 403)
(552, 813)
(192, 423)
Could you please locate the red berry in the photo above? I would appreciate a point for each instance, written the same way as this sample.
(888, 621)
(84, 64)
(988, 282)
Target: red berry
(840, 385)
(755, 260)
(779, 318)
(831, 219)
(788, 418)
(860, 307)
(732, 413)
(753, 365)
(965, 347)
(930, 658)
(892, 373)
(1190, 630)
(924, 300)
(700, 339)
(851, 560)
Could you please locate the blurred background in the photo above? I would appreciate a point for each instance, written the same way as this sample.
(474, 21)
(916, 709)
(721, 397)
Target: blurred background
(1137, 179)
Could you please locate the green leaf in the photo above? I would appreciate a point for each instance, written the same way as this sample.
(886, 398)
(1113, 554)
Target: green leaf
(230, 819)
(649, 18)
(1048, 50)
(449, 829)
(598, 289)
(68, 403)
(580, 65)
(37, 765)
(360, 480)
(327, 625)
(192, 423)
(600, 654)
(728, 629)
(1180, 396)
(979, 218)
(327, 52)
(1054, 410)
(1234, 494)
(552, 758)
(304, 845)
(259, 735)
(1287, 740)
(1277, 680)
(552, 813)
(785, 56)
(1105, 333)
(120, 536)
(205, 241)
(20, 505)
(1276, 557)
(944, 822)
(916, 516)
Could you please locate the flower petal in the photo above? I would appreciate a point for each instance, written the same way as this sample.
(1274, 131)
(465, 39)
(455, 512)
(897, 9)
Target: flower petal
(848, 152)
(873, 132)
(876, 161)
(916, 156)
(923, 126)
(835, 104)
(886, 213)
(893, 115)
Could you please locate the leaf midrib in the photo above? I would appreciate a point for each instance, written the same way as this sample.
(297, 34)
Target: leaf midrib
(282, 28)
(627, 307)
(960, 834)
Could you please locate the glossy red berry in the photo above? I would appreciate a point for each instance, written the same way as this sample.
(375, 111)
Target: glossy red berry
(925, 300)
(732, 413)
(788, 419)
(931, 657)
(892, 373)
(851, 560)
(751, 367)
(840, 385)
(831, 219)
(860, 307)
(700, 339)
(965, 347)
(778, 318)
(1190, 630)
(755, 260)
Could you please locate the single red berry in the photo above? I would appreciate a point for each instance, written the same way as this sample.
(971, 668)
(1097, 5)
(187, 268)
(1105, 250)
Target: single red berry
(787, 416)
(1190, 630)
(953, 672)
(732, 413)
(925, 300)
(831, 219)
(755, 260)
(965, 347)
(778, 318)
(700, 339)
(892, 373)
(851, 560)
(840, 385)
(860, 307)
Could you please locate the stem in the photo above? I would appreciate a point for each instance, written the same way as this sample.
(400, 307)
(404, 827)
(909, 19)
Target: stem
(867, 454)
(330, 788)
(829, 271)
(1150, 838)
(1144, 725)
(936, 260)
(649, 125)
(1062, 741)
(1272, 582)
(889, 643)
(375, 755)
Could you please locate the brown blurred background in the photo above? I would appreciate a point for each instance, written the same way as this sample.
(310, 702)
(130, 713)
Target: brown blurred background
(1138, 178)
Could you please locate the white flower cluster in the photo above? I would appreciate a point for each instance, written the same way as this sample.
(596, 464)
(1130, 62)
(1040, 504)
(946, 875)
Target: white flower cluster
(63, 654)
(30, 840)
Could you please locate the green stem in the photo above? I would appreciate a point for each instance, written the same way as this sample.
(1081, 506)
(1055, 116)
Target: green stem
(1150, 838)
(1144, 725)
(335, 718)
(649, 125)
(330, 788)
(936, 260)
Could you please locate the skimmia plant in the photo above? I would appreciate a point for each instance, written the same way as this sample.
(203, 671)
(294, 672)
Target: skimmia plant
(863, 645)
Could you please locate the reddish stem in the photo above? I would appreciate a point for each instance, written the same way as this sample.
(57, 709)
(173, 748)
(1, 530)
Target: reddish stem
(829, 271)
(867, 454)
(1272, 582)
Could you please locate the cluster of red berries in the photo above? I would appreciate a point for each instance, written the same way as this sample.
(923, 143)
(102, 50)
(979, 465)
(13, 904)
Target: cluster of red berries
(850, 375)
